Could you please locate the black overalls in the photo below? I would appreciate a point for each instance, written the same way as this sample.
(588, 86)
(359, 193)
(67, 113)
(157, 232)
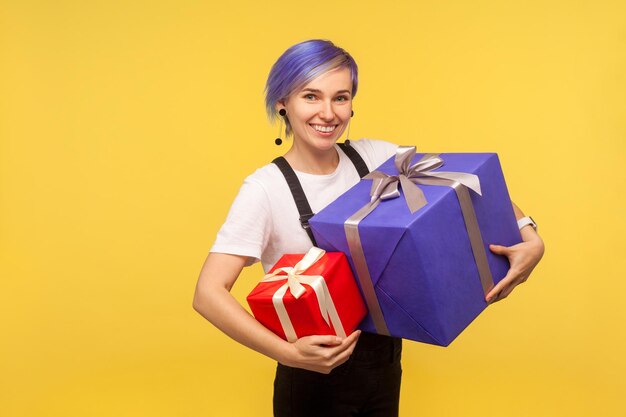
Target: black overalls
(368, 384)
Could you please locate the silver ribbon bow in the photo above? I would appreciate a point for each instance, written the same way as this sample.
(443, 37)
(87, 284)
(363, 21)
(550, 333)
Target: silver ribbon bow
(385, 186)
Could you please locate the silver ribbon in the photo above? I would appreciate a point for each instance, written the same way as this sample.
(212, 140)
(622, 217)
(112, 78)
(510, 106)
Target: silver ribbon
(385, 187)
(295, 279)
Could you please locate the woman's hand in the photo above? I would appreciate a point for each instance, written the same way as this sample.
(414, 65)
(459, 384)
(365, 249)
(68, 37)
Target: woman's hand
(321, 353)
(215, 302)
(523, 258)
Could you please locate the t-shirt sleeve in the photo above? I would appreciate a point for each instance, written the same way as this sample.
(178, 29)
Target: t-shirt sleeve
(247, 227)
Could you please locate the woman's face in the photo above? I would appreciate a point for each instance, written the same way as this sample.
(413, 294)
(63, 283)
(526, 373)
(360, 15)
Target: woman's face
(320, 111)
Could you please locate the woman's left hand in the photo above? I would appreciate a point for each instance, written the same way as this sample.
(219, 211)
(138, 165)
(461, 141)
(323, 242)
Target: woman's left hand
(523, 258)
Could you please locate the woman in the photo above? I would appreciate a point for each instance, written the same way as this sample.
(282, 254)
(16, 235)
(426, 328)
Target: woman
(311, 87)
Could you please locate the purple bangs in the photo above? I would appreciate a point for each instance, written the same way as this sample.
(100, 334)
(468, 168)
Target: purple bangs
(300, 64)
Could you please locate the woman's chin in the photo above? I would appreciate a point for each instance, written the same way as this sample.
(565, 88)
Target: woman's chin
(325, 144)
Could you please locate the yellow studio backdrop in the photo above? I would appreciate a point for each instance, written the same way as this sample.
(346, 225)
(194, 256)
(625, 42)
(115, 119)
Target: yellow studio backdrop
(127, 127)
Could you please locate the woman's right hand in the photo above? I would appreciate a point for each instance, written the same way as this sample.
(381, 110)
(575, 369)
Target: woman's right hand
(214, 302)
(321, 353)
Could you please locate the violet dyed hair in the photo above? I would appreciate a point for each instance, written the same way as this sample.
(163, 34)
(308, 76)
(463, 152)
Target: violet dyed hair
(300, 64)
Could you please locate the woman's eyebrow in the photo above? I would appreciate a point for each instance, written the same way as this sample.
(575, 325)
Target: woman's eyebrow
(315, 90)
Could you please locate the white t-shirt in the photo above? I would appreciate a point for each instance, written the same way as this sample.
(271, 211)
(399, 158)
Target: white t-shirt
(263, 221)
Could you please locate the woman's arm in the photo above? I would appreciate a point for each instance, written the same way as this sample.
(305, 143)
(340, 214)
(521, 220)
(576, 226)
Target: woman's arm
(523, 258)
(214, 302)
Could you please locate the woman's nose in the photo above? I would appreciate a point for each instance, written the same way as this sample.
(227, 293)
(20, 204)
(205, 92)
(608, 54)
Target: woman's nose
(327, 112)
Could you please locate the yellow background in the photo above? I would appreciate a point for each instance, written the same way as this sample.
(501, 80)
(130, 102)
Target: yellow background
(126, 129)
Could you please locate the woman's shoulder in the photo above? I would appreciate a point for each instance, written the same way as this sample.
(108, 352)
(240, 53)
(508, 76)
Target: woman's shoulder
(257, 191)
(374, 151)
(267, 180)
(263, 173)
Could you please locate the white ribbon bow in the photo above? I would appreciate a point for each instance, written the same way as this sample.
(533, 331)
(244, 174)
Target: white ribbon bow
(295, 279)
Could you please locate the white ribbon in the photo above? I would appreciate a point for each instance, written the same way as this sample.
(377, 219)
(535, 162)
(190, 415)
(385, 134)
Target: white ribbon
(295, 279)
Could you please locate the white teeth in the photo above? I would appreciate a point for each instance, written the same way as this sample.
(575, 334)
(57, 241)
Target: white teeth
(324, 128)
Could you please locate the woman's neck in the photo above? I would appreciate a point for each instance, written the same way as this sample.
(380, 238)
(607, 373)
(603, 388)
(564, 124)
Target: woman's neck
(312, 161)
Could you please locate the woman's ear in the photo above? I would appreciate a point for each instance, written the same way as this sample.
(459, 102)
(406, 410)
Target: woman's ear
(280, 104)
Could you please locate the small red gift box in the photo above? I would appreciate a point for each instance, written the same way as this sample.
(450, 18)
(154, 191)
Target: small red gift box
(312, 294)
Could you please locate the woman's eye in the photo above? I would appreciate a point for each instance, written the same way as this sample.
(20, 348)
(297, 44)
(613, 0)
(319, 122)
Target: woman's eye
(310, 97)
(342, 98)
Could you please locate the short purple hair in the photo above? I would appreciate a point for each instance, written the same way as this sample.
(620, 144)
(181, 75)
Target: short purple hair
(299, 65)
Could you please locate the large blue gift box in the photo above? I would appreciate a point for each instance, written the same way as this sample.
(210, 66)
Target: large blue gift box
(423, 280)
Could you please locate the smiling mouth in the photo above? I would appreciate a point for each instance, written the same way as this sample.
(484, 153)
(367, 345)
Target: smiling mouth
(324, 129)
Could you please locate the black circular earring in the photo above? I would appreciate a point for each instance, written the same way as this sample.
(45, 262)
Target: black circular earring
(278, 140)
(347, 141)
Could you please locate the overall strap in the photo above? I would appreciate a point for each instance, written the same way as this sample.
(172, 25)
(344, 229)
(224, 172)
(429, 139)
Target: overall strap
(356, 159)
(304, 209)
(298, 195)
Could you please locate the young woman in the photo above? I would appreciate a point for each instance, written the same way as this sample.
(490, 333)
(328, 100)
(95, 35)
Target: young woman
(311, 88)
